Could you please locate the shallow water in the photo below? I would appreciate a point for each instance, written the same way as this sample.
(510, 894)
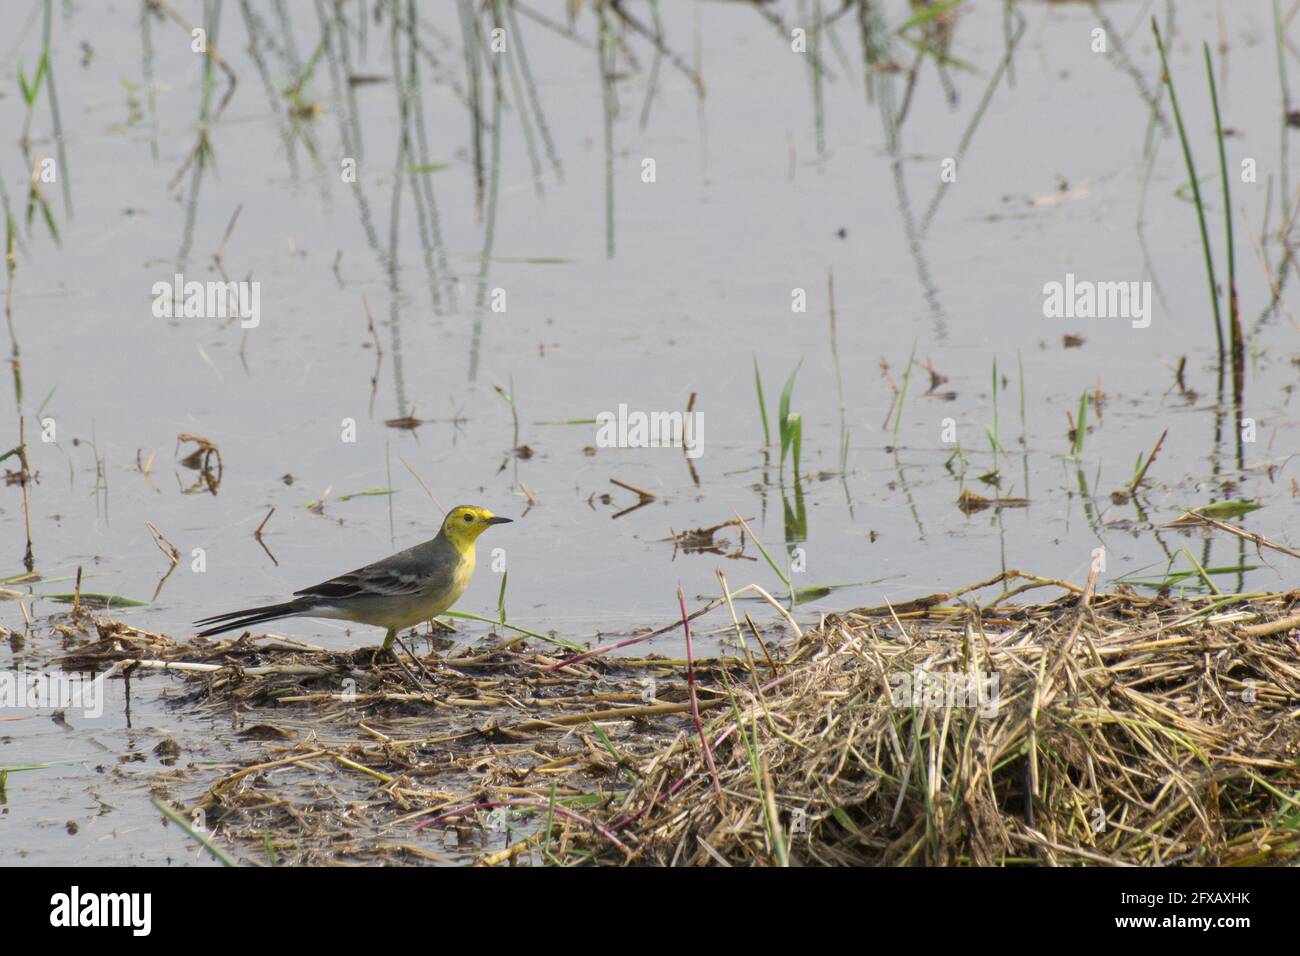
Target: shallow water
(617, 292)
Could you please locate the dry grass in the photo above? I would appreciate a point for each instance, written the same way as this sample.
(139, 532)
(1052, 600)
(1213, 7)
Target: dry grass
(1126, 730)
(1147, 731)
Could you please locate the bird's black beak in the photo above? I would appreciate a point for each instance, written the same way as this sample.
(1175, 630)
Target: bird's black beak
(497, 519)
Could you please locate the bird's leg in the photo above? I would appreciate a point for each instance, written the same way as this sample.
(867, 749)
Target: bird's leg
(389, 640)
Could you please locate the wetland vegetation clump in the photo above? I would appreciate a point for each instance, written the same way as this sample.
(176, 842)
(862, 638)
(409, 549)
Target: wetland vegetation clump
(1120, 729)
(1094, 728)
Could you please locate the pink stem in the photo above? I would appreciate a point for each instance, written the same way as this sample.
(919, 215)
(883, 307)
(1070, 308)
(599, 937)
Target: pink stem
(578, 658)
(695, 704)
(664, 797)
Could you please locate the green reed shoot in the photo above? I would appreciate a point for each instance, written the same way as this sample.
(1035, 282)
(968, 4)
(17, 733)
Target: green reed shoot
(790, 425)
(31, 90)
(1234, 312)
(771, 562)
(762, 406)
(1196, 190)
(839, 378)
(1081, 424)
(902, 394)
(996, 432)
(1140, 468)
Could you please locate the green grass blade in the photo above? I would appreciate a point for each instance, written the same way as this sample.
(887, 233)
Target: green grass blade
(762, 406)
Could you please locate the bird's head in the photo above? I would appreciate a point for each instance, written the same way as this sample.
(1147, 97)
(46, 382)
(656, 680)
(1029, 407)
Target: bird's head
(465, 523)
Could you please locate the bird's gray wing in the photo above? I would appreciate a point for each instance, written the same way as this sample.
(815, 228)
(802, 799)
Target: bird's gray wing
(405, 573)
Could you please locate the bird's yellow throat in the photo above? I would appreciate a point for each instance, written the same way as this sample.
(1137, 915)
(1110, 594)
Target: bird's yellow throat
(464, 524)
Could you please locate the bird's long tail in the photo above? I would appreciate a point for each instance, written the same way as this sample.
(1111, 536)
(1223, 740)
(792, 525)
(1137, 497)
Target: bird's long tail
(252, 615)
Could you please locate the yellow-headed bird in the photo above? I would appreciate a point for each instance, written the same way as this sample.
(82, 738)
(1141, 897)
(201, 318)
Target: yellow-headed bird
(398, 592)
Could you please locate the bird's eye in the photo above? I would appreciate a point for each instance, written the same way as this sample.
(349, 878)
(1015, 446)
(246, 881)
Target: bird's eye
(469, 517)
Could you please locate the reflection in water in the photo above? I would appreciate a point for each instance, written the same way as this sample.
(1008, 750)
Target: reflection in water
(915, 61)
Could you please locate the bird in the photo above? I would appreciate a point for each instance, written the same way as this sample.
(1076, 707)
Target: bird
(400, 591)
